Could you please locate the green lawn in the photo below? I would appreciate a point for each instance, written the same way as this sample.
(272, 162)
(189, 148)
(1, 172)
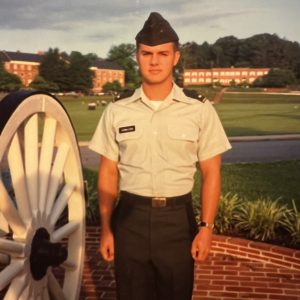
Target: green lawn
(241, 114)
(260, 180)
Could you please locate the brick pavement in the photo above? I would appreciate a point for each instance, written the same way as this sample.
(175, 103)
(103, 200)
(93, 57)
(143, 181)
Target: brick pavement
(236, 269)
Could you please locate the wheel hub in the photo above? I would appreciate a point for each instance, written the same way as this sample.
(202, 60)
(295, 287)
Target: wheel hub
(45, 254)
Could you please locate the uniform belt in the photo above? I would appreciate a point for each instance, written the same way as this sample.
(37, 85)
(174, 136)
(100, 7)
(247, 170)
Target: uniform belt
(130, 198)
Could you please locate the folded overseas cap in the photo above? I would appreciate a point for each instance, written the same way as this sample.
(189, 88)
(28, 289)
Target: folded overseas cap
(156, 31)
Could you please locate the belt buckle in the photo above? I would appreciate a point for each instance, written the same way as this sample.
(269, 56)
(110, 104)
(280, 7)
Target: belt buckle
(159, 201)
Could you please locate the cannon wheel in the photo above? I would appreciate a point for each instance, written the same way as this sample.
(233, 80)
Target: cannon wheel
(42, 201)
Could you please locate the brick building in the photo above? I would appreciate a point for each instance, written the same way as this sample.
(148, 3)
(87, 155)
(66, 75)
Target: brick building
(224, 76)
(26, 66)
(107, 71)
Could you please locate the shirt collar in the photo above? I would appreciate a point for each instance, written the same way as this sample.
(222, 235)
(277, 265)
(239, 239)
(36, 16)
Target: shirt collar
(175, 94)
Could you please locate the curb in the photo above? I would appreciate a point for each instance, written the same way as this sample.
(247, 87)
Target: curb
(252, 138)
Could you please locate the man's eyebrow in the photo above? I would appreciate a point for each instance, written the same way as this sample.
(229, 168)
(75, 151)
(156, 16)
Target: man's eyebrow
(145, 51)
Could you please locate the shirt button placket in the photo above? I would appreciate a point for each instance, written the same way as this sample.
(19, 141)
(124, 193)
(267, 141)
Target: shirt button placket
(154, 156)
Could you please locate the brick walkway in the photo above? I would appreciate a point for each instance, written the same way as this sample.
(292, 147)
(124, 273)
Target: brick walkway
(236, 269)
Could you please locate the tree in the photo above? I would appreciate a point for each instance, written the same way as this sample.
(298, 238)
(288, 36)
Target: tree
(124, 55)
(113, 87)
(39, 83)
(276, 78)
(8, 82)
(53, 68)
(80, 76)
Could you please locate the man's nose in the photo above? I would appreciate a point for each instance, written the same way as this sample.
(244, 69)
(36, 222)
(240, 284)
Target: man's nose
(154, 59)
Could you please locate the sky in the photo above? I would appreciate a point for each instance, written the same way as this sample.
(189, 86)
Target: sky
(94, 26)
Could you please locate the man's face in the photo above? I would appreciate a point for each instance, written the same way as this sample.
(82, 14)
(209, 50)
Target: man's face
(157, 62)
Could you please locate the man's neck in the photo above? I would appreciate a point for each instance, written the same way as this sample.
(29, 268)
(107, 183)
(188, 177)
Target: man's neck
(157, 91)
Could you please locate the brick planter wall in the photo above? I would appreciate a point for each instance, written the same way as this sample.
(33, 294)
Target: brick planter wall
(235, 269)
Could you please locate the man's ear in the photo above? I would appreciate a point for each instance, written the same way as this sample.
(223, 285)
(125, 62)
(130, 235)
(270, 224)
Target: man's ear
(177, 57)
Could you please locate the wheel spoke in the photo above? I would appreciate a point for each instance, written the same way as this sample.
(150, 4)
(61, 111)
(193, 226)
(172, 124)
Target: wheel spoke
(4, 259)
(54, 288)
(12, 248)
(61, 202)
(65, 231)
(46, 294)
(16, 288)
(9, 273)
(47, 149)
(16, 166)
(31, 152)
(25, 295)
(56, 175)
(69, 265)
(4, 229)
(10, 212)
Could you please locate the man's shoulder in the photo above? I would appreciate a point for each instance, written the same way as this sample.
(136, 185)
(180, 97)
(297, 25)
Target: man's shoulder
(193, 94)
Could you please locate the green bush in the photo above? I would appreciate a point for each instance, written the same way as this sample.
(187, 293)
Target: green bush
(293, 225)
(227, 213)
(262, 219)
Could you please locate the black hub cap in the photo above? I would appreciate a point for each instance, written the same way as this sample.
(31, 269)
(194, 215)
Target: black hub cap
(45, 254)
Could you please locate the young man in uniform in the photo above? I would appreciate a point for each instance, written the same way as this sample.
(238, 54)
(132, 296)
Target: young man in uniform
(149, 144)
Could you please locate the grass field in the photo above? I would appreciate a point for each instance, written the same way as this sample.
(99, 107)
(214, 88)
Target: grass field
(279, 180)
(242, 114)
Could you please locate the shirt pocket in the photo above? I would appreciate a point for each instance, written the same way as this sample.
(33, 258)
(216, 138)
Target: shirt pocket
(129, 137)
(182, 144)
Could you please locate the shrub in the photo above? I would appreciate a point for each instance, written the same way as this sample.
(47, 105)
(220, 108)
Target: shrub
(226, 214)
(293, 225)
(262, 219)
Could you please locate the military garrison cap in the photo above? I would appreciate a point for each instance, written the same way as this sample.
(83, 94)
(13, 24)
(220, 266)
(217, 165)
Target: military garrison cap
(156, 31)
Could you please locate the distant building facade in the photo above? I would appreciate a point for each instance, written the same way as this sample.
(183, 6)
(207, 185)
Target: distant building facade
(26, 66)
(223, 76)
(107, 71)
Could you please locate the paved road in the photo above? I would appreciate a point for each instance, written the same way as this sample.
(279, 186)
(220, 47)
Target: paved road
(262, 151)
(244, 150)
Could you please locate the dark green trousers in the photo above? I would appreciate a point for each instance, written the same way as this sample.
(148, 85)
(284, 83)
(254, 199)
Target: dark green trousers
(153, 251)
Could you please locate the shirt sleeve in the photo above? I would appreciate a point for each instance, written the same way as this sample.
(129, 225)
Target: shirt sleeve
(103, 140)
(212, 137)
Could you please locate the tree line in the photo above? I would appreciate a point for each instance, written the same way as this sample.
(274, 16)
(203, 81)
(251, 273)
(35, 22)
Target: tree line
(60, 71)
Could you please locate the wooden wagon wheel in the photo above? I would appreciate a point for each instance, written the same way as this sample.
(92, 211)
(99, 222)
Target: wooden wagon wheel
(42, 203)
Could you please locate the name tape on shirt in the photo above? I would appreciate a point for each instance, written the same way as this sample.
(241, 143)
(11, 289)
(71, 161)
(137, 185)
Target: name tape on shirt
(127, 129)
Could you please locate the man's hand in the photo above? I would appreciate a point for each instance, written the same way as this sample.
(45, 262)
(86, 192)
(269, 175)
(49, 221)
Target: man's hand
(202, 244)
(107, 249)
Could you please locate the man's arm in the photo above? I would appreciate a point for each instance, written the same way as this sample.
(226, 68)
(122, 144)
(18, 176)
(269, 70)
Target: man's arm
(210, 193)
(107, 194)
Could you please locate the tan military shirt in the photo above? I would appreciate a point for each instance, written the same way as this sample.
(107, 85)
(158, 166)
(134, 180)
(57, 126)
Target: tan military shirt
(156, 149)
